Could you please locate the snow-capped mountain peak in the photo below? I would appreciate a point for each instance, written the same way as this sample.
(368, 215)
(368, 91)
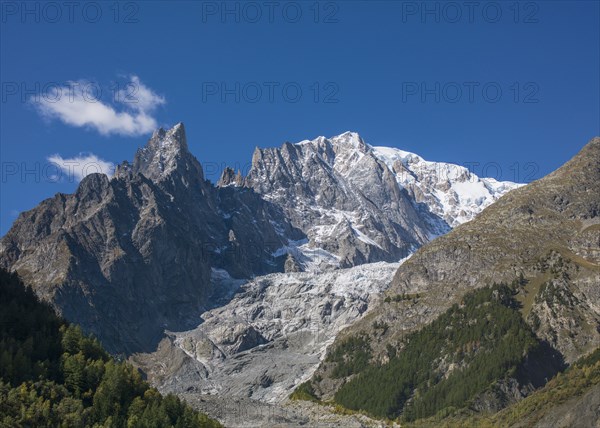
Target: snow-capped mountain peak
(350, 139)
(360, 203)
(450, 191)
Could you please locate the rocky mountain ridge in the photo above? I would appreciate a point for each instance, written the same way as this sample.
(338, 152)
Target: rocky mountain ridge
(358, 203)
(129, 256)
(133, 255)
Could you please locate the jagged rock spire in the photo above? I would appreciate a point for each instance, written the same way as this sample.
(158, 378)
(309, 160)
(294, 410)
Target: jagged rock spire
(230, 178)
(166, 152)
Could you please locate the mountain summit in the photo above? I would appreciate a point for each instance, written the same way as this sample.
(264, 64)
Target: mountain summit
(167, 152)
(362, 204)
(150, 248)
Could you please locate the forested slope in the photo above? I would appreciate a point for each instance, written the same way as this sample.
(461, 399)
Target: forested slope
(52, 375)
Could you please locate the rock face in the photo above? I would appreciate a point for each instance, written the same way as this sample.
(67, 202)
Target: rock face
(130, 256)
(230, 178)
(359, 204)
(547, 231)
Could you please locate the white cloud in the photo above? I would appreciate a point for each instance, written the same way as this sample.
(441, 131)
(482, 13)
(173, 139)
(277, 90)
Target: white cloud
(78, 167)
(139, 97)
(78, 104)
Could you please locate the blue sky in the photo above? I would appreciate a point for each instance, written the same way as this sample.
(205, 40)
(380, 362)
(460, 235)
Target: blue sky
(425, 81)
